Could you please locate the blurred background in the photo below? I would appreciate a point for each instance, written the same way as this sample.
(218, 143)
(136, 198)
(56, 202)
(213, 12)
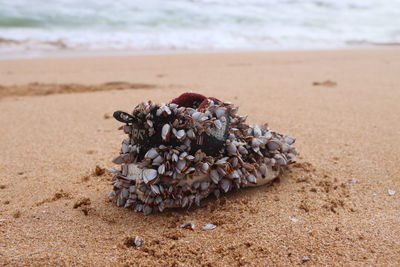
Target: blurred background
(30, 28)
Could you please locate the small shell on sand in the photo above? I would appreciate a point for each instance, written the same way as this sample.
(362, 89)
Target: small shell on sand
(209, 226)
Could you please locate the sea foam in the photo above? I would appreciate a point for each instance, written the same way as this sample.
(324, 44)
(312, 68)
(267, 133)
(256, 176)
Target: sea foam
(33, 26)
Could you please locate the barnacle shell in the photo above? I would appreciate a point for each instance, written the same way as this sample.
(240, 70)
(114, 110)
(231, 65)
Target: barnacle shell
(177, 156)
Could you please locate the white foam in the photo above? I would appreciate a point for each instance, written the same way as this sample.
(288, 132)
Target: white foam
(153, 25)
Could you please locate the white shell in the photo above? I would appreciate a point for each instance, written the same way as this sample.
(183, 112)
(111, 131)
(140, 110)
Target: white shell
(180, 134)
(161, 169)
(197, 115)
(151, 154)
(149, 175)
(209, 226)
(165, 131)
(205, 167)
(220, 112)
(214, 176)
(231, 149)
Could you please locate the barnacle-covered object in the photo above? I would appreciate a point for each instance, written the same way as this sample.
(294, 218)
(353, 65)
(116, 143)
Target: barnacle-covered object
(179, 153)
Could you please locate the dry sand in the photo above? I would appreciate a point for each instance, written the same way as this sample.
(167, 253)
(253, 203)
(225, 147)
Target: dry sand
(343, 107)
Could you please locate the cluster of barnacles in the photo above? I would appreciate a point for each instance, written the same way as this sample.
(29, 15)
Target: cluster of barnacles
(176, 156)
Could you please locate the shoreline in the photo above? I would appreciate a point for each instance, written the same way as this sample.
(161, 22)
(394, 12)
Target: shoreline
(111, 53)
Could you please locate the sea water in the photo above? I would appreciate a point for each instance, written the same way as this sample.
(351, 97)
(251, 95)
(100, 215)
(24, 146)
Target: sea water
(36, 27)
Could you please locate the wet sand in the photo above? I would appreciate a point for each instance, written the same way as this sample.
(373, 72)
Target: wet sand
(331, 209)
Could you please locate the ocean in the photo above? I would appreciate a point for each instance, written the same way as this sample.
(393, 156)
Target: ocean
(36, 27)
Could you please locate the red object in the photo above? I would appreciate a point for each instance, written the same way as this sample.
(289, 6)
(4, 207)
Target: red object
(193, 100)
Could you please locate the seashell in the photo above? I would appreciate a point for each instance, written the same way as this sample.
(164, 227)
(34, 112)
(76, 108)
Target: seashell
(289, 140)
(291, 157)
(285, 147)
(281, 161)
(175, 158)
(214, 175)
(257, 131)
(234, 175)
(155, 189)
(112, 194)
(173, 106)
(243, 150)
(149, 175)
(197, 116)
(268, 135)
(225, 185)
(185, 202)
(147, 210)
(209, 226)
(125, 148)
(205, 167)
(190, 170)
(129, 203)
(151, 131)
(181, 165)
(204, 118)
(151, 154)
(220, 111)
(164, 110)
(190, 133)
(255, 143)
(252, 179)
(139, 207)
(149, 123)
(161, 207)
(165, 132)
(121, 201)
(158, 160)
(159, 112)
(144, 163)
(221, 171)
(180, 134)
(161, 169)
(263, 170)
(273, 145)
(222, 161)
(183, 155)
(231, 149)
(118, 184)
(162, 189)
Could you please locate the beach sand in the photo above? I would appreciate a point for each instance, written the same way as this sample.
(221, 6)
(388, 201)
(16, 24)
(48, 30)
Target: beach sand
(331, 209)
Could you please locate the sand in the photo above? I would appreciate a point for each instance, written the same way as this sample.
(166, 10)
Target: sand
(331, 209)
